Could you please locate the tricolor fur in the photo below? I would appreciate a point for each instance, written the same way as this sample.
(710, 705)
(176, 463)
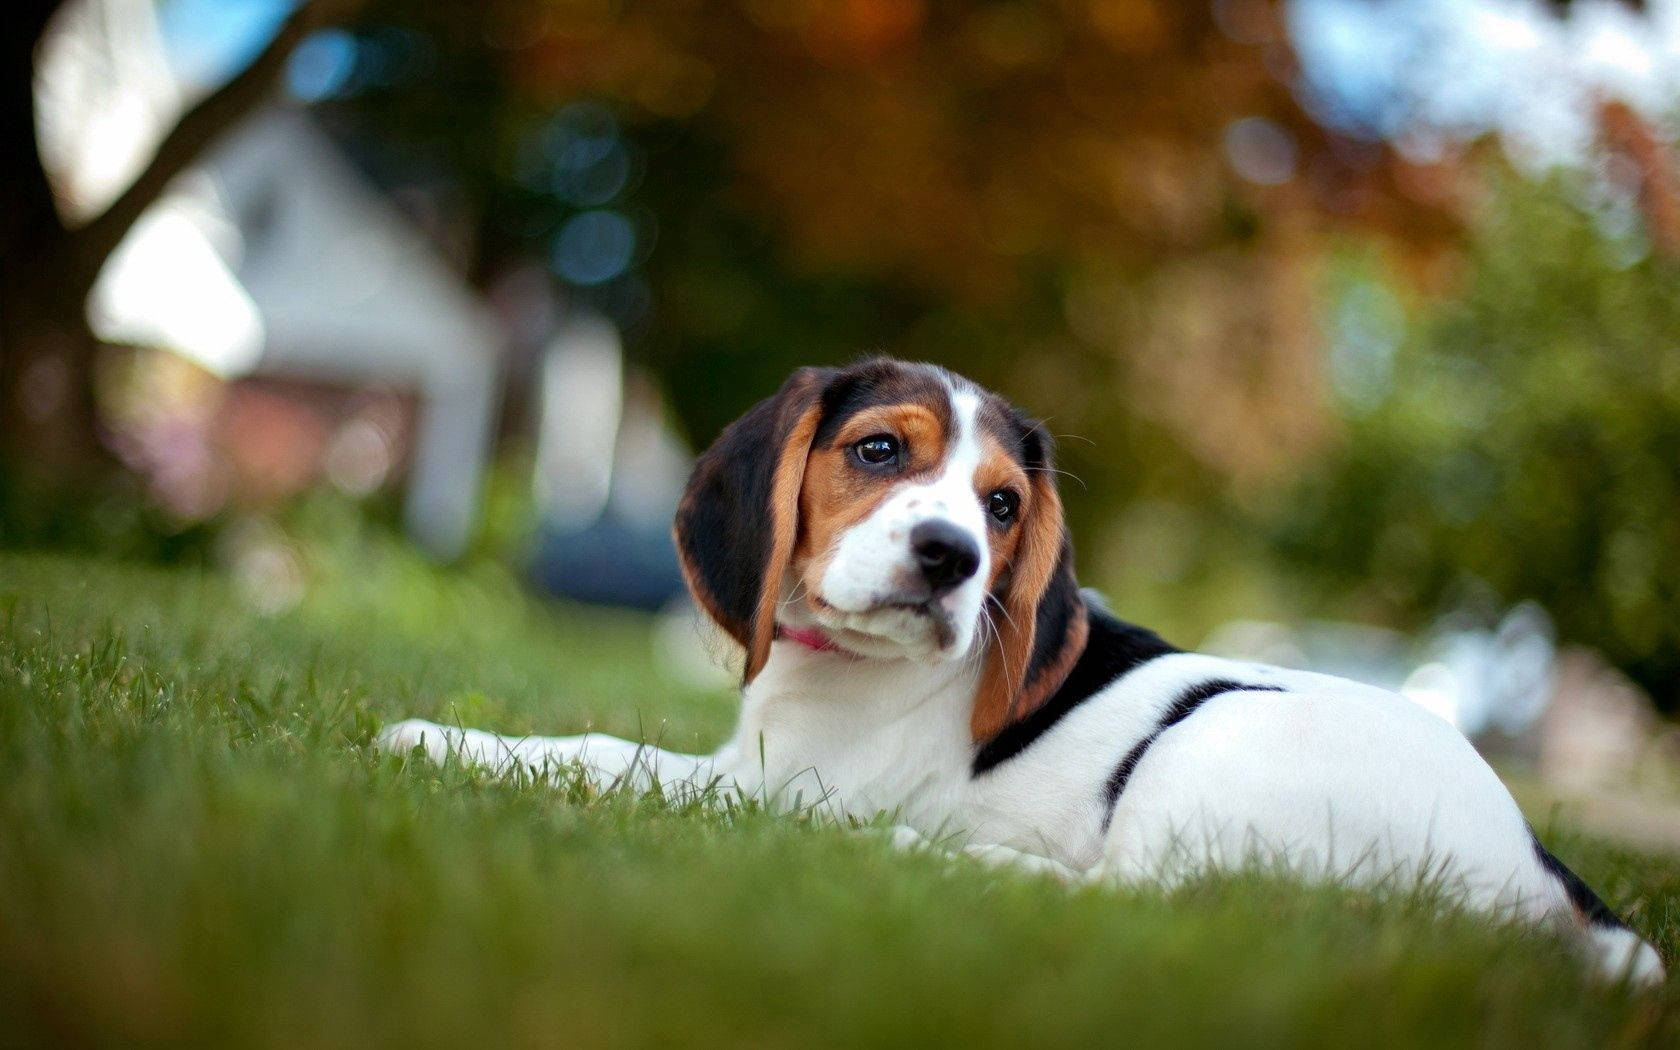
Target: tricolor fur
(886, 544)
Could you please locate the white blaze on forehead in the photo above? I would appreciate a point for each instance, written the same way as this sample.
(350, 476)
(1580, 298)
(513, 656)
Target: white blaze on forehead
(955, 484)
(873, 564)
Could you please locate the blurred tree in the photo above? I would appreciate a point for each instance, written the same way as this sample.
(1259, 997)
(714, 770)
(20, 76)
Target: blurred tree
(48, 265)
(1114, 210)
(1527, 436)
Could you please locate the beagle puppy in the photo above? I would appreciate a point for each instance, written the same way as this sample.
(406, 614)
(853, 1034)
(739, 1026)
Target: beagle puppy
(886, 543)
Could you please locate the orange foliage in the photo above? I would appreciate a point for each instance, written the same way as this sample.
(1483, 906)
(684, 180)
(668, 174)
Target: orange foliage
(957, 146)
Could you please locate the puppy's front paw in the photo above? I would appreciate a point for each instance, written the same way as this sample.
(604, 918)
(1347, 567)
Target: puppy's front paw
(401, 738)
(906, 839)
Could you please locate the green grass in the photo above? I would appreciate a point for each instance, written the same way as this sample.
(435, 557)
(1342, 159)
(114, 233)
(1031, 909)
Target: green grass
(198, 845)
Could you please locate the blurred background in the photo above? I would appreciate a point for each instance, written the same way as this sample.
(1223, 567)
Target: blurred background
(1358, 321)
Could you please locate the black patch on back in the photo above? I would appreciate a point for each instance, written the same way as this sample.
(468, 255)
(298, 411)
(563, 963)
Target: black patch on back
(1182, 707)
(1112, 649)
(1589, 904)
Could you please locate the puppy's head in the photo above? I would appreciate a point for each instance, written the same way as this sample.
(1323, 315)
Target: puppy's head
(901, 511)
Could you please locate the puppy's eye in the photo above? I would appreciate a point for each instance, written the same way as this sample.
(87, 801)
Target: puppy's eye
(877, 449)
(1003, 505)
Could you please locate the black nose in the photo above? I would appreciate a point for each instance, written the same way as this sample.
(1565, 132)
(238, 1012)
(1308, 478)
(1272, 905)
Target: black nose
(946, 554)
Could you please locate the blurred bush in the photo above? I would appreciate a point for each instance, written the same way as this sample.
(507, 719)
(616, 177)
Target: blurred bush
(1525, 434)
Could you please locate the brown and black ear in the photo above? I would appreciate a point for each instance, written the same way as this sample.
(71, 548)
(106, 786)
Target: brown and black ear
(1042, 625)
(739, 517)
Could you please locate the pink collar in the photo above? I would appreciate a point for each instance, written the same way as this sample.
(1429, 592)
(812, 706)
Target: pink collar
(811, 638)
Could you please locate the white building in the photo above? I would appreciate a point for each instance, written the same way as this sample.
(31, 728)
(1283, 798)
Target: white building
(272, 256)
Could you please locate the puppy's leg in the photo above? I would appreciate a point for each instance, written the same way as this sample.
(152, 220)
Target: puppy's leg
(607, 761)
(994, 856)
(908, 839)
(1622, 955)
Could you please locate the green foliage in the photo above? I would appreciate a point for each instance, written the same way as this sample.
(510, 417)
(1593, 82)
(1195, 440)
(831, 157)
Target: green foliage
(109, 514)
(1035, 195)
(1529, 438)
(198, 845)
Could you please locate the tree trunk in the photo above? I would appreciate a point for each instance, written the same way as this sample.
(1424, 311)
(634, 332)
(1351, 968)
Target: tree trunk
(46, 349)
(49, 426)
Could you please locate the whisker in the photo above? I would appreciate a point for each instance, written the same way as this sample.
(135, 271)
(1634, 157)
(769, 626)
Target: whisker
(1003, 650)
(1006, 614)
(988, 634)
(1063, 473)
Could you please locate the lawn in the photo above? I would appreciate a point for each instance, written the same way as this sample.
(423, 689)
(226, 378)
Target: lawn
(198, 844)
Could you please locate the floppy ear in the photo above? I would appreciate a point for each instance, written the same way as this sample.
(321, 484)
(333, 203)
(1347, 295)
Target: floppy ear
(1042, 625)
(739, 517)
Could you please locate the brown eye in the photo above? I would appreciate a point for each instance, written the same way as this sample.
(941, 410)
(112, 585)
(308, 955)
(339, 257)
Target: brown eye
(877, 450)
(1003, 505)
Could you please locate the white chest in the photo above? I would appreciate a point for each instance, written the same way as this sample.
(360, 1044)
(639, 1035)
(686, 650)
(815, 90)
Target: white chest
(860, 738)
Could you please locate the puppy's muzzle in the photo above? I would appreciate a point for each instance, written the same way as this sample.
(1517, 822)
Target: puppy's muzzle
(946, 555)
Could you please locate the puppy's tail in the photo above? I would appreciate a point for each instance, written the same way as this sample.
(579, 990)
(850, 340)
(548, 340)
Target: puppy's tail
(1618, 952)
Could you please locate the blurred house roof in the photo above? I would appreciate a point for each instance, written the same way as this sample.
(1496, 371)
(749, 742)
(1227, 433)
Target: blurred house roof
(331, 264)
